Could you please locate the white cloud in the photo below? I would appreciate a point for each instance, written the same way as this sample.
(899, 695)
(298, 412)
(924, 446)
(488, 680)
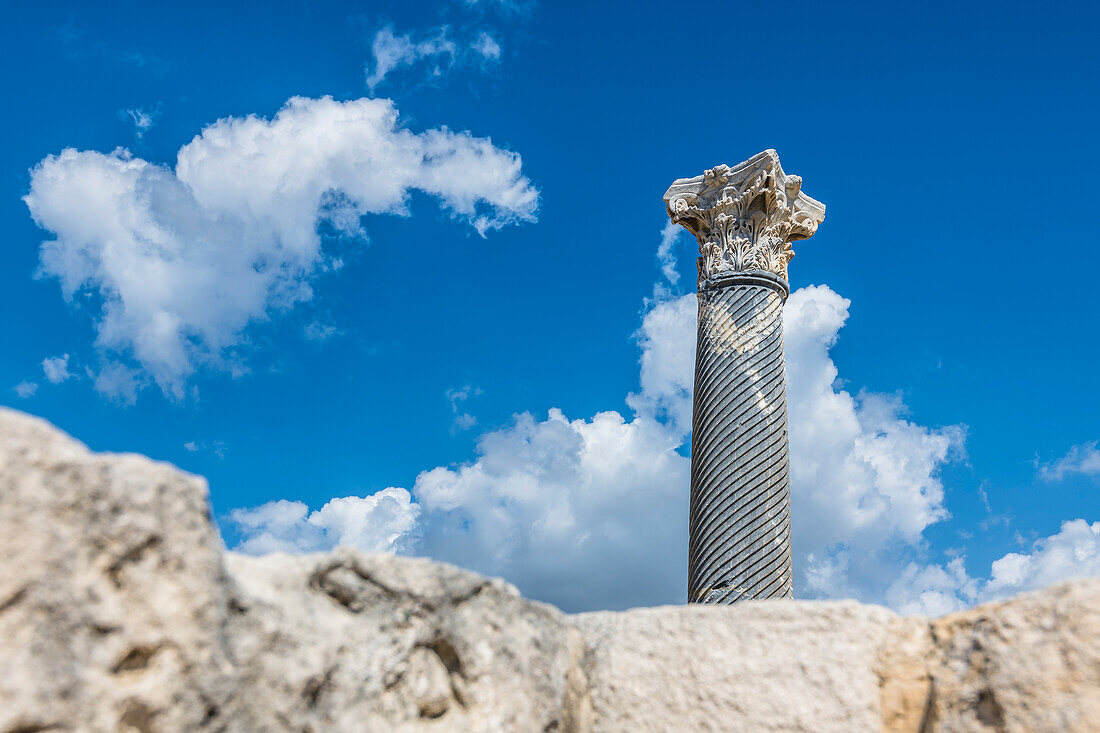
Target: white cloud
(433, 50)
(25, 390)
(864, 479)
(379, 522)
(931, 590)
(1083, 459)
(142, 119)
(191, 446)
(671, 235)
(119, 382)
(583, 513)
(1073, 552)
(458, 395)
(465, 421)
(667, 339)
(184, 260)
(462, 420)
(391, 52)
(56, 368)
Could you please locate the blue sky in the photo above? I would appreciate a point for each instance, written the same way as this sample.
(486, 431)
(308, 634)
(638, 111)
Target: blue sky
(305, 309)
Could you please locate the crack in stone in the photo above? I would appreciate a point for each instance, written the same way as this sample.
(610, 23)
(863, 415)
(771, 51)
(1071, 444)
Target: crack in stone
(14, 598)
(132, 555)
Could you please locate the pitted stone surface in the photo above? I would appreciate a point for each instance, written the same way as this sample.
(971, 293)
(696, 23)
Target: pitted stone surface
(119, 611)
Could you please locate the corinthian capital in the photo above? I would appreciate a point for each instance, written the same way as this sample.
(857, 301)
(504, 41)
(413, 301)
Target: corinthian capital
(744, 217)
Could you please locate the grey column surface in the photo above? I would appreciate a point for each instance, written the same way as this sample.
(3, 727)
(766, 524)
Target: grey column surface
(744, 218)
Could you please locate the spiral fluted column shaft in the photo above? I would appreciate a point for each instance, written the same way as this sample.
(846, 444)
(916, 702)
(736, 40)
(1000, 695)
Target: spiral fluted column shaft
(740, 537)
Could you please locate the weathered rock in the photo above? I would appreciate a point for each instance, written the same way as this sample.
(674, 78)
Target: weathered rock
(776, 665)
(1028, 664)
(113, 592)
(346, 641)
(119, 611)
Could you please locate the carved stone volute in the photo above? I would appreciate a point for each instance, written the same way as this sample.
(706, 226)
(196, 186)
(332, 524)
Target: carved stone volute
(744, 217)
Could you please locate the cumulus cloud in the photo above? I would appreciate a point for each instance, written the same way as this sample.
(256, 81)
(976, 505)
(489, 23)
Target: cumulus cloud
(25, 390)
(864, 478)
(667, 365)
(183, 260)
(584, 513)
(433, 49)
(932, 590)
(380, 522)
(1081, 459)
(1072, 552)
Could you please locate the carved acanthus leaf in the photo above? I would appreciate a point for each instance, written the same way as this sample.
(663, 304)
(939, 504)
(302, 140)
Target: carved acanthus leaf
(744, 217)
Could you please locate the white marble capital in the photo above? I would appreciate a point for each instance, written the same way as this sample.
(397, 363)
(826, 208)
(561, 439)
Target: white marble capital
(744, 217)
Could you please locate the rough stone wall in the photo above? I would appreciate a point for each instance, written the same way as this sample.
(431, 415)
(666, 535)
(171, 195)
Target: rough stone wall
(119, 611)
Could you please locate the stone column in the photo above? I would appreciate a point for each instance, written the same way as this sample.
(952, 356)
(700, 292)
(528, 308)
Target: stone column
(745, 218)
